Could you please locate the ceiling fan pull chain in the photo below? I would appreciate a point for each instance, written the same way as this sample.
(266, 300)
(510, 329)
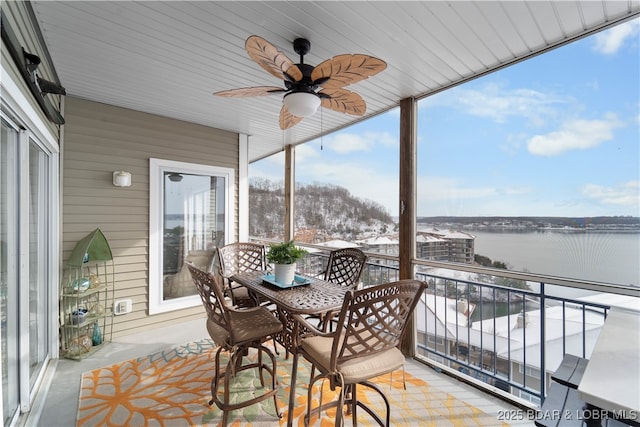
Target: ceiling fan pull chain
(321, 128)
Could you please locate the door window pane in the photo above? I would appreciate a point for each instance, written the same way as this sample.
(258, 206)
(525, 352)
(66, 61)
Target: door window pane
(191, 215)
(194, 216)
(38, 226)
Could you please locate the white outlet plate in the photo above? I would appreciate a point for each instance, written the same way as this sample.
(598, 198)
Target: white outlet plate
(122, 306)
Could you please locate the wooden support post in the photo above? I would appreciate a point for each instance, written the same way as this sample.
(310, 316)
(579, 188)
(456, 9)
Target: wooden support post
(407, 208)
(289, 192)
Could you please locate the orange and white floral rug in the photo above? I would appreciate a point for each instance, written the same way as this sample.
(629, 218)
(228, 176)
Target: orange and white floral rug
(172, 388)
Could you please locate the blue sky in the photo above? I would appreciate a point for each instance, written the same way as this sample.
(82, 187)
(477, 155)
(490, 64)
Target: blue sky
(557, 135)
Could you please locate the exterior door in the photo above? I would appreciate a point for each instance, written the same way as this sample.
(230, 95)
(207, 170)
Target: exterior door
(28, 263)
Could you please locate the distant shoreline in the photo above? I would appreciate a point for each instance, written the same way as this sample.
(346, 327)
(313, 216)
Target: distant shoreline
(613, 224)
(551, 229)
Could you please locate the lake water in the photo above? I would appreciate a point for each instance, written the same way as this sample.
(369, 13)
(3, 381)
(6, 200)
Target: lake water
(594, 256)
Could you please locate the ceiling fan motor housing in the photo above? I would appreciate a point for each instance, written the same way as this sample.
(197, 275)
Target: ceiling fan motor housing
(305, 81)
(301, 47)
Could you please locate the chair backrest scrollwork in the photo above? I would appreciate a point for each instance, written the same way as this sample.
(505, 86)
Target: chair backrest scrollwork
(373, 319)
(345, 266)
(241, 256)
(212, 296)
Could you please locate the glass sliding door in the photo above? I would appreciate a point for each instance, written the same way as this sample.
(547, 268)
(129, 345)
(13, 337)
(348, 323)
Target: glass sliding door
(9, 272)
(28, 263)
(39, 210)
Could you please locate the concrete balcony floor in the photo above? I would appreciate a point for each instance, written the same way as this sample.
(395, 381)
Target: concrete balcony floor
(60, 404)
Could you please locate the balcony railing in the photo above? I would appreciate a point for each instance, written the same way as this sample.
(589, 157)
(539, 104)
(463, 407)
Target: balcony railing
(503, 336)
(499, 330)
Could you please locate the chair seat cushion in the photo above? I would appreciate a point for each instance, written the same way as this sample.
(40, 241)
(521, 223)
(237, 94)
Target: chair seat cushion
(247, 325)
(218, 334)
(353, 370)
(241, 296)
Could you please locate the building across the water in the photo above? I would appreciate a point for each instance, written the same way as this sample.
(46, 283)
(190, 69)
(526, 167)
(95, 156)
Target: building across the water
(431, 243)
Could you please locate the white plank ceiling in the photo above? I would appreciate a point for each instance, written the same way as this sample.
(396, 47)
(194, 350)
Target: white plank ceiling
(168, 57)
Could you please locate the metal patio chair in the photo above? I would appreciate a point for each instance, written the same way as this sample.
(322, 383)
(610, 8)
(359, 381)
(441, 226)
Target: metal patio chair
(344, 268)
(236, 331)
(363, 346)
(240, 257)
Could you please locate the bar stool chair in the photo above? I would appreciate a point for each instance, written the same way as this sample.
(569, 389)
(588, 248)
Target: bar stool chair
(365, 345)
(239, 257)
(236, 331)
(345, 268)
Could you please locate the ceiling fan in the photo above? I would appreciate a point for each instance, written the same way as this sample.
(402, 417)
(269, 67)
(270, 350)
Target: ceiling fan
(307, 87)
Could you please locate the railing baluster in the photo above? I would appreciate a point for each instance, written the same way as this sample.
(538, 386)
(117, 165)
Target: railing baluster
(495, 343)
(543, 343)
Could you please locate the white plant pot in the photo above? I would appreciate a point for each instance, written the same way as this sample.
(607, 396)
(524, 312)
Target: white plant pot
(285, 273)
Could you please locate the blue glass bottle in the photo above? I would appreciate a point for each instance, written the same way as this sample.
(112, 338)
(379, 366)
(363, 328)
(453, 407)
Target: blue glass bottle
(96, 339)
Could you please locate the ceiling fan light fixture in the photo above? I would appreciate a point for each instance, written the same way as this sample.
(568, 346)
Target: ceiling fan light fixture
(302, 104)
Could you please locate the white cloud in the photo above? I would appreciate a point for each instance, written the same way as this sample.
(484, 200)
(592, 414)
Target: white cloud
(442, 188)
(349, 142)
(497, 103)
(449, 188)
(448, 196)
(512, 143)
(626, 194)
(575, 134)
(610, 41)
(384, 139)
(306, 152)
(515, 191)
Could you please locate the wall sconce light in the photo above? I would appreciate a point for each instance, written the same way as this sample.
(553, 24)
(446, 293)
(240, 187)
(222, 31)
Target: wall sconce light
(175, 177)
(121, 179)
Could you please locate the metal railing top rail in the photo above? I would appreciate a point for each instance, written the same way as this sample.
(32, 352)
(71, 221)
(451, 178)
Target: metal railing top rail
(371, 255)
(505, 288)
(628, 290)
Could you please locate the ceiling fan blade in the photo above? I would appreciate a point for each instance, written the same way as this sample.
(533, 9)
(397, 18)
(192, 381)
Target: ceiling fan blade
(343, 101)
(287, 119)
(271, 59)
(250, 91)
(346, 69)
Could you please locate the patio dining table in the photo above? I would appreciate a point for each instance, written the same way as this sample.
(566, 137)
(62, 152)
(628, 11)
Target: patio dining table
(317, 296)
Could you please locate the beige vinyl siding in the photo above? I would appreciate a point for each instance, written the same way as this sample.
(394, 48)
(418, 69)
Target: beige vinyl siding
(100, 139)
(18, 15)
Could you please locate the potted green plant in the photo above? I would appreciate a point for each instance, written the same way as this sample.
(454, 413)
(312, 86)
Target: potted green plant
(284, 256)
